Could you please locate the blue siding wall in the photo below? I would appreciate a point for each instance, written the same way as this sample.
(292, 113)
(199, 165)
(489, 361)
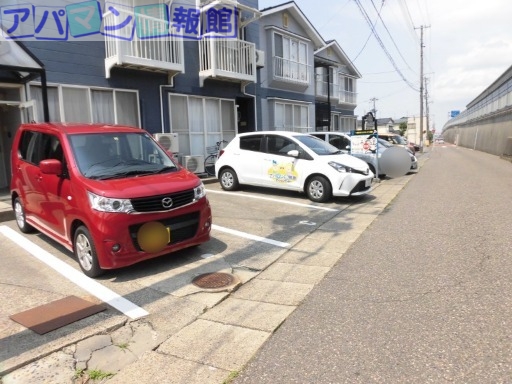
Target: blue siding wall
(83, 63)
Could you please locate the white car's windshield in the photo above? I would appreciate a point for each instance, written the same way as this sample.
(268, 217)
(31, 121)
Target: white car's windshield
(319, 146)
(117, 155)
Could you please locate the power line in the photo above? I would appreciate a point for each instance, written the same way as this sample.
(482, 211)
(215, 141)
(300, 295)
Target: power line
(388, 55)
(373, 27)
(389, 33)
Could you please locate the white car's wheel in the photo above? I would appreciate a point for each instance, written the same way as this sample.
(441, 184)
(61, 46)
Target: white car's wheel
(228, 179)
(319, 189)
(85, 252)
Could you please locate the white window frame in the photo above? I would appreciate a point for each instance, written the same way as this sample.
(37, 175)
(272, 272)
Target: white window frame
(288, 62)
(209, 137)
(60, 88)
(343, 91)
(293, 126)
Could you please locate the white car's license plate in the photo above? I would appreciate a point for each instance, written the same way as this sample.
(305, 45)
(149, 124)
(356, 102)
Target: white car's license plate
(368, 183)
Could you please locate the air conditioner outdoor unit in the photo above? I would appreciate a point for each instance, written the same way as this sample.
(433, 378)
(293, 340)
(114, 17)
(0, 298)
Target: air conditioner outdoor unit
(169, 141)
(260, 58)
(194, 163)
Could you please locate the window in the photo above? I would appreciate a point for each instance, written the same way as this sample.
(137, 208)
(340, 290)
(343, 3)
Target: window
(279, 145)
(290, 59)
(89, 105)
(76, 105)
(251, 143)
(291, 117)
(347, 87)
(53, 101)
(201, 121)
(36, 147)
(339, 142)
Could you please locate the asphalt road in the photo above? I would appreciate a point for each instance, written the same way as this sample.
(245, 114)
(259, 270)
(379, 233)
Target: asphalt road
(423, 296)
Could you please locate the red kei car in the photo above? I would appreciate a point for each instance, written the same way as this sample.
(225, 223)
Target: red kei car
(110, 194)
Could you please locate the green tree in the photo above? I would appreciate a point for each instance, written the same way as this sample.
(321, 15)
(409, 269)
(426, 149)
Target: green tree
(402, 127)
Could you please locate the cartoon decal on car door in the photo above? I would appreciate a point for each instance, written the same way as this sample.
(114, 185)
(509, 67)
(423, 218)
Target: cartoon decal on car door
(283, 172)
(280, 166)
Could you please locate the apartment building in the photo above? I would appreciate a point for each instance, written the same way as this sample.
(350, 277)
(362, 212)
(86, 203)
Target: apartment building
(193, 72)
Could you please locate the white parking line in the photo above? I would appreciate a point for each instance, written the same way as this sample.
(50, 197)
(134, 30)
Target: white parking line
(252, 237)
(92, 286)
(274, 200)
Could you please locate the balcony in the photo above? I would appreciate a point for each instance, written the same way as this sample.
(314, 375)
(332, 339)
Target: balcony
(322, 88)
(347, 97)
(291, 71)
(227, 59)
(158, 54)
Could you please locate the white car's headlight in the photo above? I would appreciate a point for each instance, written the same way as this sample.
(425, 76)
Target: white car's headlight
(109, 204)
(199, 192)
(340, 167)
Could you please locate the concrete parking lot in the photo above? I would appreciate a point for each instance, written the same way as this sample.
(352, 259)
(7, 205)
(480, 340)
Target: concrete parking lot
(276, 245)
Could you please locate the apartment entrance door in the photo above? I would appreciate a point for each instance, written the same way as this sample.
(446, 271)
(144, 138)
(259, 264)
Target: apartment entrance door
(13, 112)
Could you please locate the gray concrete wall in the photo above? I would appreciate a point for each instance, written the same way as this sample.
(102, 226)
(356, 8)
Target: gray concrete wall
(487, 135)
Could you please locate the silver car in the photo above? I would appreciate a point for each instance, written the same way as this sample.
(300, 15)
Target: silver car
(342, 141)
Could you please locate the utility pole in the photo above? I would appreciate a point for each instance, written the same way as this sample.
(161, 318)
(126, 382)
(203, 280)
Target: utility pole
(426, 106)
(374, 111)
(421, 87)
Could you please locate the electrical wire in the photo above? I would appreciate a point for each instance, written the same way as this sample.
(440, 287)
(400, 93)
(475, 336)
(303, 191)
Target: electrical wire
(386, 52)
(389, 33)
(370, 35)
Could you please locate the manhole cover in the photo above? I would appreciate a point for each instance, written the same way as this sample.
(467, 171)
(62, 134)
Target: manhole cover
(213, 280)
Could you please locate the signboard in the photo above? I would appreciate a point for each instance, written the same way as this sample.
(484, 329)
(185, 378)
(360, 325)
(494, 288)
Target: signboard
(454, 113)
(363, 144)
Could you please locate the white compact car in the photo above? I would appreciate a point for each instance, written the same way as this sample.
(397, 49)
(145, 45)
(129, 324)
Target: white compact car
(293, 161)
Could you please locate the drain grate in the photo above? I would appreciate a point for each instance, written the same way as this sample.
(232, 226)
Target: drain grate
(213, 280)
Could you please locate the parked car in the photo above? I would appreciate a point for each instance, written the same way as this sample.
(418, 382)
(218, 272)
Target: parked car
(396, 139)
(110, 194)
(417, 147)
(414, 160)
(293, 161)
(342, 141)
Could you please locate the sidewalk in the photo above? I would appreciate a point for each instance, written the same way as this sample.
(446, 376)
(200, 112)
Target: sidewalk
(422, 297)
(209, 346)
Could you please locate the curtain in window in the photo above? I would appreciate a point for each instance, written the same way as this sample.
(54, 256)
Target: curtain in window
(228, 119)
(76, 105)
(196, 125)
(279, 116)
(196, 114)
(178, 110)
(36, 93)
(102, 106)
(213, 112)
(213, 122)
(288, 116)
(179, 113)
(127, 108)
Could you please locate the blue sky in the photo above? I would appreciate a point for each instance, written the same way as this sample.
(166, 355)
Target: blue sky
(467, 45)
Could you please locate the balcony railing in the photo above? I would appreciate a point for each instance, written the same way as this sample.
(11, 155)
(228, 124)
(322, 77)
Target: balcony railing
(291, 71)
(347, 97)
(150, 48)
(322, 87)
(229, 59)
